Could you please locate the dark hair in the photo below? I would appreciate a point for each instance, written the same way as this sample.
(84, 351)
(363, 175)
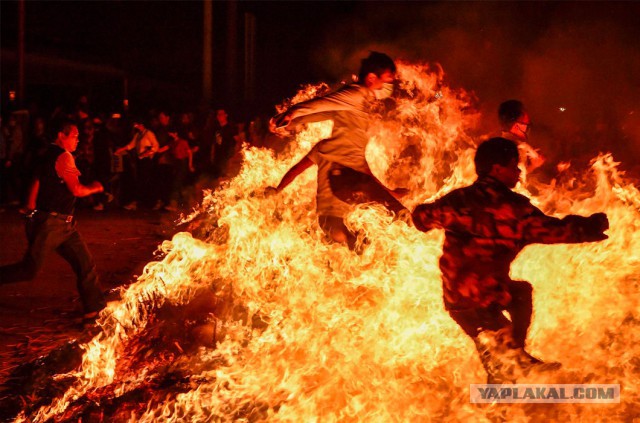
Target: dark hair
(510, 111)
(376, 63)
(65, 126)
(498, 151)
(139, 121)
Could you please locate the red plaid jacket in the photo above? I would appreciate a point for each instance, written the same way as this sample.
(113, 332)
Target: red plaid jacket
(486, 226)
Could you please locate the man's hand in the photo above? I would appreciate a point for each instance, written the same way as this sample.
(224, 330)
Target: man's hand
(600, 221)
(146, 153)
(597, 223)
(26, 210)
(279, 123)
(270, 191)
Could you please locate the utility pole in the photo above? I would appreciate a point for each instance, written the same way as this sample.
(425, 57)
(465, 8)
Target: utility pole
(249, 58)
(207, 53)
(232, 50)
(21, 30)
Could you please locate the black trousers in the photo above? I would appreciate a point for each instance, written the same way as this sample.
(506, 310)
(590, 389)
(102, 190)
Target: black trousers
(144, 181)
(355, 187)
(45, 234)
(474, 321)
(165, 177)
(335, 229)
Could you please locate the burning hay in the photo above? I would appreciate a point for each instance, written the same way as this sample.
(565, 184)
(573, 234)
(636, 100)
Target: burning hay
(258, 318)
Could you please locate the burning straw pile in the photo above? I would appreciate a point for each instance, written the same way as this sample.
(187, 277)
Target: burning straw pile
(257, 318)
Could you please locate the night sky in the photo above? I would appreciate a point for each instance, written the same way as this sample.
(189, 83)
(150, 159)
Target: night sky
(162, 40)
(582, 56)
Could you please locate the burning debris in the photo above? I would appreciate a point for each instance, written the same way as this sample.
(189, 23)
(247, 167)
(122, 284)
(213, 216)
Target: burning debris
(259, 319)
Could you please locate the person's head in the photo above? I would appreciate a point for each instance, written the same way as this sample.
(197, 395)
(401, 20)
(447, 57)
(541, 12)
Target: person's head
(377, 72)
(222, 117)
(68, 136)
(88, 129)
(164, 118)
(514, 118)
(185, 119)
(498, 157)
(39, 126)
(139, 125)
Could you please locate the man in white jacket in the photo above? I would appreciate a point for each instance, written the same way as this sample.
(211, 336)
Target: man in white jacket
(344, 176)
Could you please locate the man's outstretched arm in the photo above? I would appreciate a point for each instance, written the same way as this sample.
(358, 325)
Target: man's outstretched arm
(293, 173)
(542, 229)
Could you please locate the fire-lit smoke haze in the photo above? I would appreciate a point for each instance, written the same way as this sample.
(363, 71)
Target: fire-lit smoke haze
(583, 57)
(310, 331)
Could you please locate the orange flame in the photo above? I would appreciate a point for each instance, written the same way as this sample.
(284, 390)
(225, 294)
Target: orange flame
(324, 334)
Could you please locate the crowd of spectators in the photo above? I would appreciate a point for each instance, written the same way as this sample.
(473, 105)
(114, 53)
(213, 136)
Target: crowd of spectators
(157, 160)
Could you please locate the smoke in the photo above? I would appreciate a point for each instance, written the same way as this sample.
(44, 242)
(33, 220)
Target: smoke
(574, 65)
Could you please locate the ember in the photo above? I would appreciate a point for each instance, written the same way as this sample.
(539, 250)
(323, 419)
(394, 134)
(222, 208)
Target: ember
(257, 318)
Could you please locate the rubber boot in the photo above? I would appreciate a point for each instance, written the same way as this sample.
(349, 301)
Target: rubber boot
(492, 363)
(527, 363)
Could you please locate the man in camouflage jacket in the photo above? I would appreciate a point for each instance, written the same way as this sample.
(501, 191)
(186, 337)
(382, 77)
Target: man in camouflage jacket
(486, 226)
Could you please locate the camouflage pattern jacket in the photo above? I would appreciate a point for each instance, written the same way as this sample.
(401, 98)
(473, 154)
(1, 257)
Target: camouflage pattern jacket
(486, 226)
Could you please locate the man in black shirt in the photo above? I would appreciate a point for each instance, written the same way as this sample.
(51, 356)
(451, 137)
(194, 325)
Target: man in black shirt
(51, 225)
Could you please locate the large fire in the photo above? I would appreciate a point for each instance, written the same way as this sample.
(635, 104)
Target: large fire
(304, 330)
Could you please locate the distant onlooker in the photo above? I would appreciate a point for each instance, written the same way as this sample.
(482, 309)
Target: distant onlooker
(13, 173)
(37, 145)
(182, 158)
(85, 158)
(145, 145)
(164, 163)
(227, 141)
(205, 157)
(114, 137)
(516, 124)
(101, 169)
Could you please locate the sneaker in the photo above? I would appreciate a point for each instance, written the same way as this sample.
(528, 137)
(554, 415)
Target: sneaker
(98, 207)
(131, 206)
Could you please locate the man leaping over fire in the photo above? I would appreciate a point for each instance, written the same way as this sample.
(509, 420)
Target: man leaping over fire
(344, 176)
(486, 226)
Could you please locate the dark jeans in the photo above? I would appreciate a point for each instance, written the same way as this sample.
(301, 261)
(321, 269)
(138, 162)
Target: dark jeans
(474, 321)
(165, 176)
(180, 177)
(47, 233)
(354, 187)
(144, 181)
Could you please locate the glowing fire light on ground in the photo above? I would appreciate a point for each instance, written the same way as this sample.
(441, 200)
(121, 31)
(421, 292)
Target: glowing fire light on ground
(310, 331)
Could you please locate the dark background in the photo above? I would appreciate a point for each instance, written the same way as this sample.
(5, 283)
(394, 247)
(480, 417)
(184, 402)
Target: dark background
(159, 44)
(583, 57)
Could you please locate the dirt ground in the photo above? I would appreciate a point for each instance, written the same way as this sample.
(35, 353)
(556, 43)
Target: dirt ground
(38, 316)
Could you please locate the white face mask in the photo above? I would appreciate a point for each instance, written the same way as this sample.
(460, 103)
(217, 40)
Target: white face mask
(384, 92)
